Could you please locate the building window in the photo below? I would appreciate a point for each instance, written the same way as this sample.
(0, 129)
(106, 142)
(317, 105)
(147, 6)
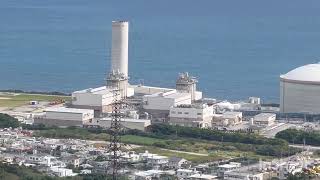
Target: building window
(199, 114)
(186, 113)
(173, 112)
(179, 112)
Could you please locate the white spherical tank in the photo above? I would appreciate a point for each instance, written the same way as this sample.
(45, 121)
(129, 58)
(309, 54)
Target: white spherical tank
(300, 90)
(119, 50)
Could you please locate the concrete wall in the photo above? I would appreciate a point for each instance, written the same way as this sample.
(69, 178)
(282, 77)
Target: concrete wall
(88, 99)
(194, 113)
(57, 122)
(157, 103)
(299, 98)
(128, 124)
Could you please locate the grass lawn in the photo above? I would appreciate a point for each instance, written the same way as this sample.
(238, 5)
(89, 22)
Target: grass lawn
(15, 100)
(139, 140)
(189, 157)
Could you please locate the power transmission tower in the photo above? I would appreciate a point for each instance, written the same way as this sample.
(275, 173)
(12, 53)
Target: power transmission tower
(115, 133)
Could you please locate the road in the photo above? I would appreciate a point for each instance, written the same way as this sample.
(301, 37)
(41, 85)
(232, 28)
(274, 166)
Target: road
(270, 132)
(307, 147)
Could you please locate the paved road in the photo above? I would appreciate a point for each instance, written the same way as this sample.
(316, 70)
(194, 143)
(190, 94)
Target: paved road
(272, 131)
(307, 147)
(185, 152)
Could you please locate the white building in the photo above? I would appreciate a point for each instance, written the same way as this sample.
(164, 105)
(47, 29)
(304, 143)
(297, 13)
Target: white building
(61, 116)
(239, 175)
(148, 175)
(159, 104)
(62, 172)
(227, 167)
(300, 90)
(99, 99)
(202, 177)
(229, 118)
(186, 173)
(154, 159)
(195, 115)
(129, 123)
(157, 160)
(264, 119)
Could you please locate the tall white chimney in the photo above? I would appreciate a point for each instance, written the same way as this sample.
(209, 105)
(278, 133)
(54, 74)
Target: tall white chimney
(119, 50)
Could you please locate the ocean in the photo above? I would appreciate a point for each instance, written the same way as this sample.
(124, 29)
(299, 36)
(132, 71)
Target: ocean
(236, 49)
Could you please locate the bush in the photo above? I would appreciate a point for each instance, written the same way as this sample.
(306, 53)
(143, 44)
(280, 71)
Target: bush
(300, 136)
(7, 121)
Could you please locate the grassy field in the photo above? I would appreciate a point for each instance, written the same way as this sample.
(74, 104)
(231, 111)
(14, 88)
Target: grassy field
(15, 100)
(190, 157)
(139, 140)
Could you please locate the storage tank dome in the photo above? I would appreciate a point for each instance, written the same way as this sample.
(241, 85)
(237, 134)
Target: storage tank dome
(309, 73)
(300, 90)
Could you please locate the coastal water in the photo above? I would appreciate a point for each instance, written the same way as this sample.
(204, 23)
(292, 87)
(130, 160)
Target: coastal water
(237, 49)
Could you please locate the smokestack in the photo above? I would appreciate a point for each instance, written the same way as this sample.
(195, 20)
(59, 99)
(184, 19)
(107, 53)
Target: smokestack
(119, 50)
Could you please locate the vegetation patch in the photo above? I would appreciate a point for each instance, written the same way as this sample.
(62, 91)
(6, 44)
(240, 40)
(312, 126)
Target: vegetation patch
(10, 100)
(300, 136)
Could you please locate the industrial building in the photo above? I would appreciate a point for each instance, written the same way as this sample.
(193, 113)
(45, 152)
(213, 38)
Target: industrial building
(229, 118)
(194, 115)
(99, 99)
(129, 123)
(63, 117)
(264, 119)
(300, 90)
(159, 103)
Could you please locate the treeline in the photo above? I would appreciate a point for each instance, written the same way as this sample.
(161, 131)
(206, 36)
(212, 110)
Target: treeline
(300, 136)
(25, 173)
(213, 135)
(56, 93)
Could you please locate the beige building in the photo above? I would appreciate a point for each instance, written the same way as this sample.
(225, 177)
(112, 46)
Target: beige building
(229, 118)
(264, 119)
(195, 115)
(139, 124)
(61, 116)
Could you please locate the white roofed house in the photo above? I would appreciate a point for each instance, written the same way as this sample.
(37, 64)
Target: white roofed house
(176, 162)
(186, 173)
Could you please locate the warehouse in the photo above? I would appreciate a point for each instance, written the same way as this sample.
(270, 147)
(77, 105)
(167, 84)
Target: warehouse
(264, 119)
(139, 124)
(63, 117)
(300, 90)
(98, 99)
(229, 118)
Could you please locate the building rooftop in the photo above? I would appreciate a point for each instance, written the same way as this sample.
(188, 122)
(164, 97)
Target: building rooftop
(306, 73)
(203, 176)
(68, 110)
(98, 90)
(127, 120)
(264, 115)
(170, 94)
